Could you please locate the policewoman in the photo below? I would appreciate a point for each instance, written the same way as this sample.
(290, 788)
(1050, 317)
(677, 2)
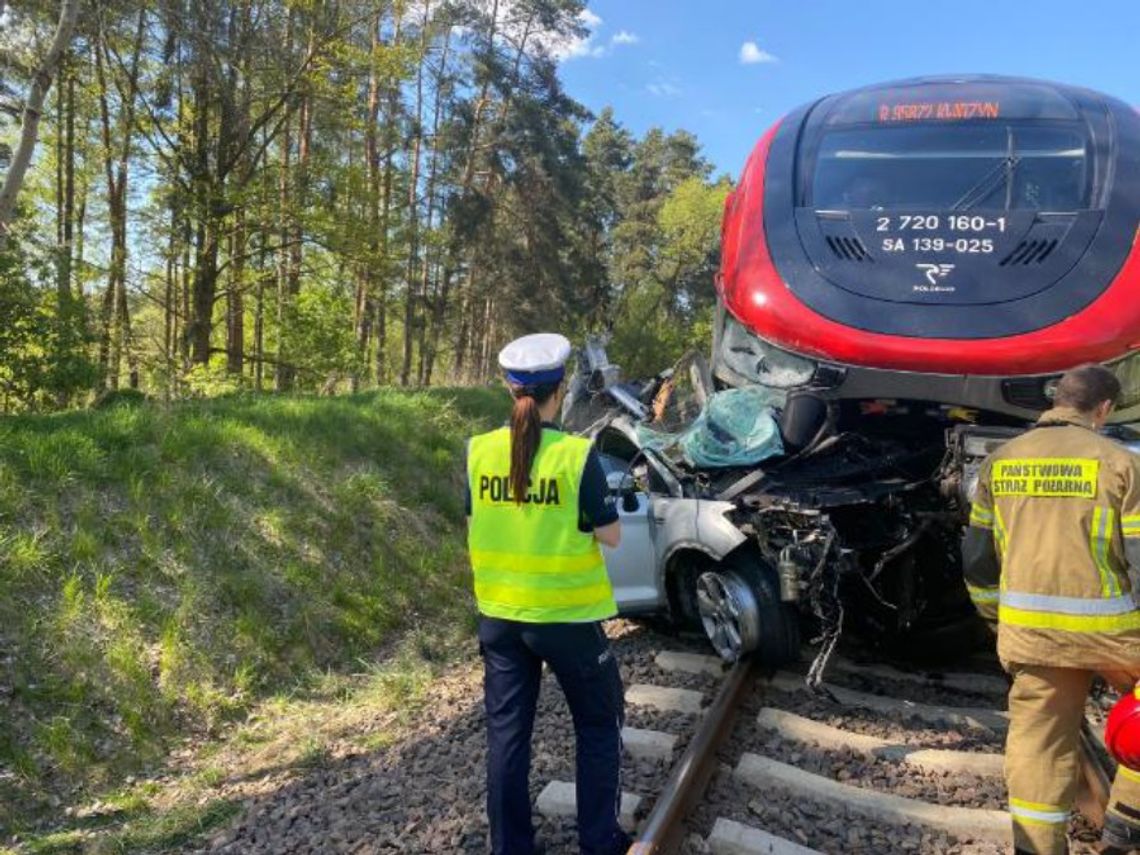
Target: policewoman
(539, 509)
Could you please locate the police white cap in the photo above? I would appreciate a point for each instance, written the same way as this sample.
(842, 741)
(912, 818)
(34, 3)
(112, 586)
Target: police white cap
(535, 359)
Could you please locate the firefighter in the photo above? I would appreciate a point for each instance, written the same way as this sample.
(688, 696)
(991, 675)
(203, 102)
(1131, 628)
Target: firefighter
(1054, 542)
(539, 507)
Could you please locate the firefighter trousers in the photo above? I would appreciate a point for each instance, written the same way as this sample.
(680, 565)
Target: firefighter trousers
(1046, 708)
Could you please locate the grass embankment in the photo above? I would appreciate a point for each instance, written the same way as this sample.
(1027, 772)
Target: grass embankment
(163, 571)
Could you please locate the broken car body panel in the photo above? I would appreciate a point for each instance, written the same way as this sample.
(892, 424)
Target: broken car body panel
(857, 523)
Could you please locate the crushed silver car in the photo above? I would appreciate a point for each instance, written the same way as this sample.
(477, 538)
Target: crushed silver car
(755, 511)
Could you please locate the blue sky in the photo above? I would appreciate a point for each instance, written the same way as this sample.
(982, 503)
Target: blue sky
(679, 63)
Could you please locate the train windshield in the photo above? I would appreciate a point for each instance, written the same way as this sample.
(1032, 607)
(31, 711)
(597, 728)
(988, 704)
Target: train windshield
(1022, 166)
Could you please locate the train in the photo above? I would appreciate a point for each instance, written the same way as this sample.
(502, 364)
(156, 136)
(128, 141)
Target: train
(906, 271)
(957, 239)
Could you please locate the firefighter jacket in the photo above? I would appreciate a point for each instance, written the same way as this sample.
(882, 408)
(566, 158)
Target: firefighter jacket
(530, 561)
(1054, 542)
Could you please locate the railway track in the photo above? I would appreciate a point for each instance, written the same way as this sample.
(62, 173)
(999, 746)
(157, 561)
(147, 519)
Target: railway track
(882, 761)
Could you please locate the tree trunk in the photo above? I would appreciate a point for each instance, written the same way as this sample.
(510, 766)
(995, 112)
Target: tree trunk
(464, 312)
(292, 202)
(294, 254)
(259, 318)
(60, 158)
(283, 376)
(126, 337)
(239, 84)
(116, 333)
(187, 279)
(487, 336)
(204, 286)
(203, 291)
(41, 82)
(109, 378)
(235, 302)
(106, 318)
(365, 305)
(389, 125)
(67, 250)
(434, 330)
(65, 315)
(80, 221)
(413, 208)
(170, 291)
(304, 149)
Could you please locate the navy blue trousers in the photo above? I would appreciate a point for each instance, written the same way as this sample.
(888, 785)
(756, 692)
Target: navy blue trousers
(580, 657)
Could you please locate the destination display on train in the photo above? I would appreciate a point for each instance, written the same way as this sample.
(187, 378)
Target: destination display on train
(949, 102)
(945, 111)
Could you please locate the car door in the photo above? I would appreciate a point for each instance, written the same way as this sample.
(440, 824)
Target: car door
(632, 566)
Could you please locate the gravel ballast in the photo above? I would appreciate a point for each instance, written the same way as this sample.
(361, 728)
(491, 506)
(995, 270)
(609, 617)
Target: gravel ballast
(426, 793)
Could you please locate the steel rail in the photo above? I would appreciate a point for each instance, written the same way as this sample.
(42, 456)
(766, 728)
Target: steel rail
(686, 785)
(662, 833)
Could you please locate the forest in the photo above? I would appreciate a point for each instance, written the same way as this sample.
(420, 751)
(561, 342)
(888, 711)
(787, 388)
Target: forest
(291, 195)
(213, 203)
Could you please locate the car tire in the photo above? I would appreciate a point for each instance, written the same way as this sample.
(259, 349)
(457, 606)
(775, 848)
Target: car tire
(738, 605)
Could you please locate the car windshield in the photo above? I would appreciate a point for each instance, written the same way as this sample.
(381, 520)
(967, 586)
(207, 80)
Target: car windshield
(1027, 166)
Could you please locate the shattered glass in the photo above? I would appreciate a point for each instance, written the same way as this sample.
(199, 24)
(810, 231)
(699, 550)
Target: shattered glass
(737, 427)
(684, 421)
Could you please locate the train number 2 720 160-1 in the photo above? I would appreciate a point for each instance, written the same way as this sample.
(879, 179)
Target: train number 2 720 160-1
(934, 222)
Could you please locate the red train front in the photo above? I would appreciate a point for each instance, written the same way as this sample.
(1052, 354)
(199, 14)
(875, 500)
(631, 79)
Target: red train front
(960, 240)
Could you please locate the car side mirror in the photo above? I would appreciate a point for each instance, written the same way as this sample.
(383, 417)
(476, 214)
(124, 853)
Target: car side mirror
(622, 484)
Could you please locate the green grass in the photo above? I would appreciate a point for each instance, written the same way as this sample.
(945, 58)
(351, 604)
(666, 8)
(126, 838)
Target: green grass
(137, 829)
(165, 570)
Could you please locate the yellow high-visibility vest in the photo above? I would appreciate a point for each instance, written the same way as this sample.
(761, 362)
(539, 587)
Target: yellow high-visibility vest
(531, 563)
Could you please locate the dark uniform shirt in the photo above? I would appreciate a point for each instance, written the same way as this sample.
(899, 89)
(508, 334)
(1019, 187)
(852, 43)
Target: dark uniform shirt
(596, 506)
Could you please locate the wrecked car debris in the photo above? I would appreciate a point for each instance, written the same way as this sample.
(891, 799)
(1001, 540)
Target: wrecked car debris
(887, 386)
(835, 514)
(736, 427)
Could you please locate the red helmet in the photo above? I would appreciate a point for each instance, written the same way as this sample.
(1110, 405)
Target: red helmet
(1122, 733)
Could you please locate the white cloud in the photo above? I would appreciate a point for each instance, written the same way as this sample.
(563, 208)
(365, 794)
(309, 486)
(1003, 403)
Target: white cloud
(751, 54)
(625, 38)
(664, 89)
(576, 48)
(516, 20)
(590, 19)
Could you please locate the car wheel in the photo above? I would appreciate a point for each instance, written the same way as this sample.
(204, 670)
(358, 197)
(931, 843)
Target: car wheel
(741, 613)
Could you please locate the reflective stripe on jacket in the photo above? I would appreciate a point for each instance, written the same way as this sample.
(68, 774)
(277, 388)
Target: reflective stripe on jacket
(530, 561)
(1062, 504)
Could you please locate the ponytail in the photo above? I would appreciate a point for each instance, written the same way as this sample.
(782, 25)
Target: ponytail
(526, 434)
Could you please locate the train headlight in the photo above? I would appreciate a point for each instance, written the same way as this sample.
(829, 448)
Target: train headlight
(756, 361)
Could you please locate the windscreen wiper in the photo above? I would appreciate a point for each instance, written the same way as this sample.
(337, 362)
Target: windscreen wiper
(1001, 171)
